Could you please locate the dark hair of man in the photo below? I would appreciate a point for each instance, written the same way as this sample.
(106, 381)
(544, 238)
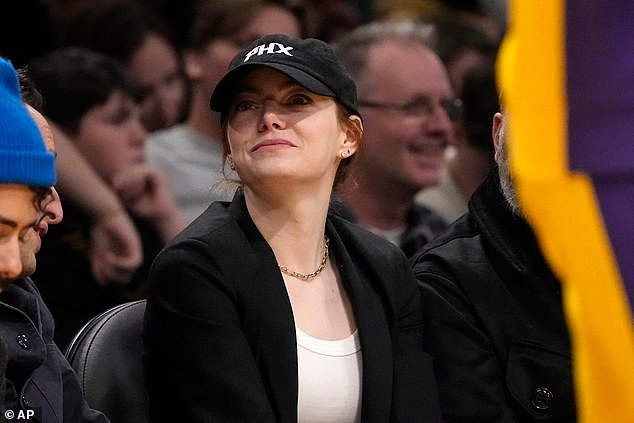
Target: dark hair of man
(74, 80)
(30, 94)
(117, 28)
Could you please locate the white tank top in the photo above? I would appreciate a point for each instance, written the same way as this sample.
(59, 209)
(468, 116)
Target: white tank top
(330, 379)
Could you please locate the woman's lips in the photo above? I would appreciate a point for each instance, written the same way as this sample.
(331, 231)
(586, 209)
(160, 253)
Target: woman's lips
(272, 143)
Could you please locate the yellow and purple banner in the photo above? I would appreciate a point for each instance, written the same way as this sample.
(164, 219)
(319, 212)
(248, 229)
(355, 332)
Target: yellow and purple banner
(566, 69)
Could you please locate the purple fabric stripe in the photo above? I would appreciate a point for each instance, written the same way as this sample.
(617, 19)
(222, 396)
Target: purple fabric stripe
(616, 196)
(600, 91)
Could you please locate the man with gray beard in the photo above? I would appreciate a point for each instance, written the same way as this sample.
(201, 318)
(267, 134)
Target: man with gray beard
(493, 312)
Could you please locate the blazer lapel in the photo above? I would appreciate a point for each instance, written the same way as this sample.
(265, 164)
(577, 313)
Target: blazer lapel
(270, 329)
(373, 329)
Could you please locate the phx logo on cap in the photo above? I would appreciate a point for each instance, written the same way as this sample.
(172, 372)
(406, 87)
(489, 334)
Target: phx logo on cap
(270, 48)
(310, 62)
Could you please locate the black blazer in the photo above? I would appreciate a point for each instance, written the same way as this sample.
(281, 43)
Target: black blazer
(220, 334)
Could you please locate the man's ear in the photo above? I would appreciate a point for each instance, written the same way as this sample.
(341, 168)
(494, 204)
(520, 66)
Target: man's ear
(497, 131)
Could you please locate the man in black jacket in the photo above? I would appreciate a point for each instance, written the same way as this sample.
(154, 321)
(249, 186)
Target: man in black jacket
(493, 312)
(40, 385)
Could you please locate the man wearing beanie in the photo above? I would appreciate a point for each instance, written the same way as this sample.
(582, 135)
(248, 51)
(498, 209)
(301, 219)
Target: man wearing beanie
(40, 384)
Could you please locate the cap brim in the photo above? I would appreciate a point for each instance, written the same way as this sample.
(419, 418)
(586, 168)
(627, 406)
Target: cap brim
(224, 91)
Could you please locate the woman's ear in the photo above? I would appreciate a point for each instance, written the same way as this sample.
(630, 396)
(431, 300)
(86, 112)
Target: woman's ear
(354, 133)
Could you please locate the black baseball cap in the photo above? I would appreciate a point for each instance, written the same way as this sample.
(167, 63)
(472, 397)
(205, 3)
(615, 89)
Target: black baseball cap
(310, 62)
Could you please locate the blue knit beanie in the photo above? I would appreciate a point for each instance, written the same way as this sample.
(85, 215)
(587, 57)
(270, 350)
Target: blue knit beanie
(23, 156)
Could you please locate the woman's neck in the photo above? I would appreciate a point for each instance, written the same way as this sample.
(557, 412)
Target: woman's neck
(293, 224)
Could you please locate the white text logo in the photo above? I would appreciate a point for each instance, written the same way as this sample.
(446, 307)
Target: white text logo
(270, 49)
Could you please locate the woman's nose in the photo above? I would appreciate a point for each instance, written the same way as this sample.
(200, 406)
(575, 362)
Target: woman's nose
(272, 116)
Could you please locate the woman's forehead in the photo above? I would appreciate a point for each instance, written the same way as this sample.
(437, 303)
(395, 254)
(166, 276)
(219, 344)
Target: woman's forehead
(261, 78)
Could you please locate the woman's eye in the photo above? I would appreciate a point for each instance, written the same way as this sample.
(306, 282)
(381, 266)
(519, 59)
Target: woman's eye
(299, 99)
(242, 106)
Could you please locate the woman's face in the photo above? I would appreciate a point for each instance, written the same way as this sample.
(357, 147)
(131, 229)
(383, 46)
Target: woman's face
(111, 136)
(278, 130)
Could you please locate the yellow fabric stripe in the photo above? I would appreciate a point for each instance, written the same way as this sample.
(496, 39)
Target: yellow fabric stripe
(562, 208)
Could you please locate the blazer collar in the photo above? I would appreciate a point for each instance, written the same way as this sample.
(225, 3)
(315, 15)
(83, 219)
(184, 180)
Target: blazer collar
(509, 234)
(271, 329)
(369, 313)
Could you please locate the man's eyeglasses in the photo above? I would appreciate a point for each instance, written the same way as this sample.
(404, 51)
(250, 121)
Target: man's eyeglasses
(420, 106)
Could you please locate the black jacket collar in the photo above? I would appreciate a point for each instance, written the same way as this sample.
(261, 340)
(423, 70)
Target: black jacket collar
(508, 234)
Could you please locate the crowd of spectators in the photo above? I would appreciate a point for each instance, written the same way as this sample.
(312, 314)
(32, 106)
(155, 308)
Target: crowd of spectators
(124, 87)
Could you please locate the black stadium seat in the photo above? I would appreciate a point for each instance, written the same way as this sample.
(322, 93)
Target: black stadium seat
(107, 355)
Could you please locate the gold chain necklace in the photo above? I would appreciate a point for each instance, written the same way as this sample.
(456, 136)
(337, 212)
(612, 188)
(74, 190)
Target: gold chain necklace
(309, 276)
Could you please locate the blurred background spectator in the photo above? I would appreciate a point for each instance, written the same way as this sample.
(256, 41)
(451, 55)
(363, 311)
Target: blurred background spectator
(471, 156)
(138, 38)
(91, 99)
(408, 112)
(467, 43)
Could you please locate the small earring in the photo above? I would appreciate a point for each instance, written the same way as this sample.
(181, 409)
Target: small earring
(345, 154)
(232, 165)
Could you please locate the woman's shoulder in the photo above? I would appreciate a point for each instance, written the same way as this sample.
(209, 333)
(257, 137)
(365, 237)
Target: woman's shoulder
(216, 218)
(214, 231)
